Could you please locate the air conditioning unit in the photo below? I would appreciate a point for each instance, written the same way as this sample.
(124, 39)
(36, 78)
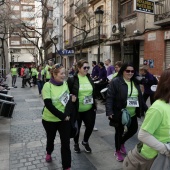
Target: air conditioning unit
(115, 29)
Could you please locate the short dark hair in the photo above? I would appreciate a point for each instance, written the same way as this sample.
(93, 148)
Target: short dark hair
(101, 64)
(94, 62)
(118, 63)
(163, 88)
(81, 62)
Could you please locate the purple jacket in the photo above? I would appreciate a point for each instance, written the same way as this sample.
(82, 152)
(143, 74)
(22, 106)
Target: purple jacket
(110, 70)
(103, 74)
(95, 71)
(147, 82)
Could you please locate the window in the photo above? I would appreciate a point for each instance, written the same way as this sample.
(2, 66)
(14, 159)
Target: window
(127, 8)
(15, 8)
(16, 50)
(27, 14)
(25, 41)
(27, 8)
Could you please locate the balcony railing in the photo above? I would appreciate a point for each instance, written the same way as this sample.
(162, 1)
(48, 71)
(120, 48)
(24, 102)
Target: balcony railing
(162, 13)
(69, 16)
(80, 7)
(92, 36)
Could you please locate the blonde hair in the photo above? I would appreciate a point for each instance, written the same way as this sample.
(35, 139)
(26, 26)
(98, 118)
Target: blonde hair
(55, 69)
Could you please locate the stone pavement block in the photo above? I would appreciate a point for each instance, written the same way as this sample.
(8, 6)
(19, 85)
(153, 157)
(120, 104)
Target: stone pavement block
(16, 146)
(104, 160)
(4, 156)
(34, 144)
(4, 165)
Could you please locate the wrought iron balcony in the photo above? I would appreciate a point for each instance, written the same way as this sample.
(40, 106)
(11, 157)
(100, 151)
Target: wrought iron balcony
(69, 16)
(92, 37)
(162, 13)
(80, 7)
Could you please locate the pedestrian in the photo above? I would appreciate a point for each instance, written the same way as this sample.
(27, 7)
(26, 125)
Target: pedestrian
(81, 85)
(26, 77)
(95, 71)
(14, 75)
(102, 80)
(147, 82)
(118, 65)
(124, 93)
(39, 77)
(33, 75)
(109, 67)
(154, 132)
(47, 72)
(56, 96)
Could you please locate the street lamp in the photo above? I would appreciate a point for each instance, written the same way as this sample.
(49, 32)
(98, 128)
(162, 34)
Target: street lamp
(41, 55)
(55, 41)
(99, 18)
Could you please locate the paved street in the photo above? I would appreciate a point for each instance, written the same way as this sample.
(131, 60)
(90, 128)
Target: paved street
(22, 138)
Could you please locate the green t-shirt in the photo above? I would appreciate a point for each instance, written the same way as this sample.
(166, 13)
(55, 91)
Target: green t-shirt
(85, 91)
(34, 71)
(134, 97)
(48, 75)
(54, 93)
(157, 123)
(13, 71)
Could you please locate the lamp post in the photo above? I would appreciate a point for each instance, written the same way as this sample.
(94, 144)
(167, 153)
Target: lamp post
(99, 18)
(55, 41)
(41, 54)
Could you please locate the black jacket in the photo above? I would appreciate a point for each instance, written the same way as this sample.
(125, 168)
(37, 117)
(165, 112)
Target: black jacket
(117, 97)
(73, 85)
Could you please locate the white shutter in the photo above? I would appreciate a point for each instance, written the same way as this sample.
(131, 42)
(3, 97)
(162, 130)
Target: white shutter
(167, 59)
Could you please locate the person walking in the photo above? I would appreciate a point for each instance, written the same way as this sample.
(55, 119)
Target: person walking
(81, 85)
(14, 75)
(124, 93)
(147, 82)
(39, 77)
(154, 132)
(47, 72)
(26, 77)
(95, 71)
(33, 75)
(56, 96)
(109, 67)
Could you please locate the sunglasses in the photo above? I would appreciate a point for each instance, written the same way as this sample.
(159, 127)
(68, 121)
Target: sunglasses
(129, 71)
(58, 66)
(86, 68)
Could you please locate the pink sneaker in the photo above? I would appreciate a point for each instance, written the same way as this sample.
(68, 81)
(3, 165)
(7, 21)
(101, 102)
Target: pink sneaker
(48, 158)
(119, 156)
(123, 149)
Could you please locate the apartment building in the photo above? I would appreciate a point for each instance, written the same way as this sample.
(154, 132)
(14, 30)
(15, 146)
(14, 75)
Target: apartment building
(22, 32)
(52, 19)
(80, 31)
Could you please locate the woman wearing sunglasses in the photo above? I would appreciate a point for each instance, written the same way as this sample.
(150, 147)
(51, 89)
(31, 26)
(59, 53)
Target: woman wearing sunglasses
(124, 93)
(55, 117)
(81, 85)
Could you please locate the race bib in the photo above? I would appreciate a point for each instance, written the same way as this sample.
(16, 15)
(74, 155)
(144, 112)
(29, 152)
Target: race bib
(64, 98)
(88, 100)
(132, 102)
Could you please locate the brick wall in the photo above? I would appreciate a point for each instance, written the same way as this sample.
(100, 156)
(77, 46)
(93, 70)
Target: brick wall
(154, 48)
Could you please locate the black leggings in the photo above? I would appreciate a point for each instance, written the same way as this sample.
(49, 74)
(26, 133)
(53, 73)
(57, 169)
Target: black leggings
(88, 118)
(121, 138)
(63, 127)
(145, 97)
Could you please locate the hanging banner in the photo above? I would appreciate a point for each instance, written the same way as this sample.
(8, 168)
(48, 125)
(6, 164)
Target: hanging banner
(146, 6)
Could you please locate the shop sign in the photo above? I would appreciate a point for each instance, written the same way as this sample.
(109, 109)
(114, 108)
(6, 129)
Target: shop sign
(146, 6)
(66, 52)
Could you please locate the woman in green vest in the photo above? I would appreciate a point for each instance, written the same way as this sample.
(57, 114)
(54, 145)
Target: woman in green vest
(33, 74)
(39, 77)
(14, 75)
(55, 118)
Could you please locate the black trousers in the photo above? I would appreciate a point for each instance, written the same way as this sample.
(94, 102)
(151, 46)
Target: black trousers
(63, 128)
(120, 137)
(145, 97)
(34, 80)
(88, 118)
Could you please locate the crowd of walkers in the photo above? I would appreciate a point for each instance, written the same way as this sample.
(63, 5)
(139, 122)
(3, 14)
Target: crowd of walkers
(69, 103)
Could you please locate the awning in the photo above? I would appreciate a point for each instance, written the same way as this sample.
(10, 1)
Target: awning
(136, 38)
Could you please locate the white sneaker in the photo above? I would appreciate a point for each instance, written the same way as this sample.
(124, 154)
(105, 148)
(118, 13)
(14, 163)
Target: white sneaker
(83, 124)
(95, 129)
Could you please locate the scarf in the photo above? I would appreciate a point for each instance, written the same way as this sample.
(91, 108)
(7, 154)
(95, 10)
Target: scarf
(52, 81)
